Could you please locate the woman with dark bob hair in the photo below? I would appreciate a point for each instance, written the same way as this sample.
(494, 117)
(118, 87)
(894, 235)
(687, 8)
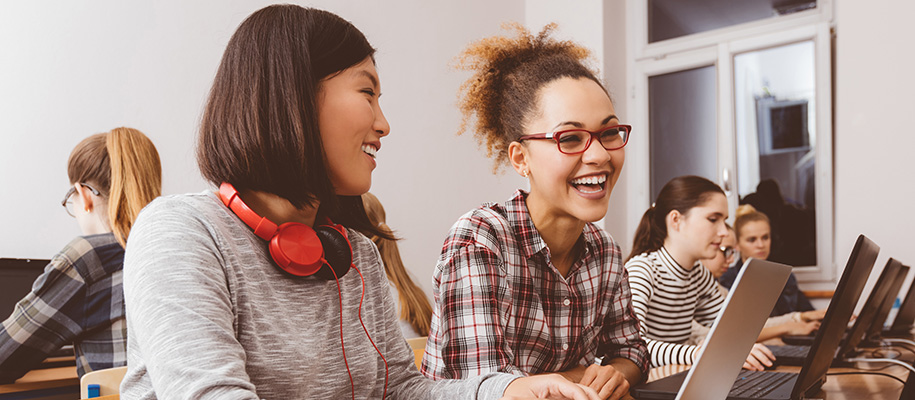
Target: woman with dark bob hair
(268, 287)
(532, 285)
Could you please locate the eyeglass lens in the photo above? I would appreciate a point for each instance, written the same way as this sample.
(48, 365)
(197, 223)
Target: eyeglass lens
(68, 203)
(578, 141)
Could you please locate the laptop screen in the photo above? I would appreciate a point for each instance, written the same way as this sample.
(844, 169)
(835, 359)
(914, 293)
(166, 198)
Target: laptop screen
(906, 315)
(834, 324)
(16, 278)
(868, 313)
(876, 328)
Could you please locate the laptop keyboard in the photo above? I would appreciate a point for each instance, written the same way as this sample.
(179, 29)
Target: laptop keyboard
(790, 351)
(756, 384)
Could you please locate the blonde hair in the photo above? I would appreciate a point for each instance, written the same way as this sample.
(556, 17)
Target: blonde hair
(123, 165)
(746, 214)
(414, 306)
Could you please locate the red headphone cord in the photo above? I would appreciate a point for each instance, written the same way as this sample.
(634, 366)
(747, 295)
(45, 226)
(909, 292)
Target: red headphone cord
(340, 294)
(385, 392)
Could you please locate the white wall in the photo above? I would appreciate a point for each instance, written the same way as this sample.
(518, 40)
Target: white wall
(73, 68)
(875, 138)
(70, 69)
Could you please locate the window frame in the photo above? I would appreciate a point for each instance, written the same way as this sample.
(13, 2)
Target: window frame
(719, 47)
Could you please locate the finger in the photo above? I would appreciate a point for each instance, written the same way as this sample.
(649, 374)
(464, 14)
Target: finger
(589, 394)
(621, 389)
(608, 387)
(574, 391)
(590, 375)
(763, 358)
(765, 350)
(754, 363)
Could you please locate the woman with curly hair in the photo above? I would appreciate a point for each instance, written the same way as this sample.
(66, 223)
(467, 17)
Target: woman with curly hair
(267, 288)
(532, 285)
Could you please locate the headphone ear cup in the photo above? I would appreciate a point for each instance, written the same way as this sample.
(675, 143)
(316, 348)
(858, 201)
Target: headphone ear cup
(337, 252)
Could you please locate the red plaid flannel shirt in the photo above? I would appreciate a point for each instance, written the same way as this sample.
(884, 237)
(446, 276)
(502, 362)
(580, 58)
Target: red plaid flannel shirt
(501, 305)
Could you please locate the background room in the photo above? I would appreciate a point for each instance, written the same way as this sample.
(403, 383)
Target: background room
(70, 69)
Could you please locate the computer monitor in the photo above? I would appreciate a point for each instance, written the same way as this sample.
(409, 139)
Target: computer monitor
(782, 125)
(16, 278)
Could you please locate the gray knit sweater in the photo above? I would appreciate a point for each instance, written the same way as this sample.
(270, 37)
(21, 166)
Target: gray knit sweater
(210, 316)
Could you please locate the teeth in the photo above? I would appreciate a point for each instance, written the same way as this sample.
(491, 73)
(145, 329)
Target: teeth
(369, 149)
(590, 180)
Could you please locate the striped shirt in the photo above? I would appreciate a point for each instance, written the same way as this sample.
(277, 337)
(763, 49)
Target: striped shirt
(667, 298)
(501, 305)
(78, 299)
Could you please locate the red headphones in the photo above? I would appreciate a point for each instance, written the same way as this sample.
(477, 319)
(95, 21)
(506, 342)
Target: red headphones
(296, 248)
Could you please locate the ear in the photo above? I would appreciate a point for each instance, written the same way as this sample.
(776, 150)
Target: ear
(517, 155)
(673, 220)
(86, 196)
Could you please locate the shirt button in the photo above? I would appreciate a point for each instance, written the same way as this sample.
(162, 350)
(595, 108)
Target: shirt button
(566, 302)
(565, 346)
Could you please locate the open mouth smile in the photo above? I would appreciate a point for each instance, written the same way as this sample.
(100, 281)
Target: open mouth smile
(590, 184)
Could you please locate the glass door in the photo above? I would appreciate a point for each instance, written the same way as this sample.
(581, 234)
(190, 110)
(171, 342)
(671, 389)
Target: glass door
(748, 115)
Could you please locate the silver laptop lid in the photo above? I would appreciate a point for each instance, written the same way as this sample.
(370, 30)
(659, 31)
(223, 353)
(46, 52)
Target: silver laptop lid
(734, 331)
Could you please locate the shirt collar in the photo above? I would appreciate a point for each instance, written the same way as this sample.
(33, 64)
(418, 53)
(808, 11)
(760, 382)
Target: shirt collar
(674, 266)
(519, 219)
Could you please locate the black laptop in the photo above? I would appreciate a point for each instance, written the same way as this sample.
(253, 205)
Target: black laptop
(16, 278)
(905, 318)
(796, 354)
(874, 336)
(807, 382)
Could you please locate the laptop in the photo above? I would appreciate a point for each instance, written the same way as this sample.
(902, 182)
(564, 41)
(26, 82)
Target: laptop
(731, 338)
(874, 335)
(796, 354)
(16, 278)
(807, 382)
(905, 318)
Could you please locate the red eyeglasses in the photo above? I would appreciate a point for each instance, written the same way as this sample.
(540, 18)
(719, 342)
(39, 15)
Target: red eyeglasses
(576, 141)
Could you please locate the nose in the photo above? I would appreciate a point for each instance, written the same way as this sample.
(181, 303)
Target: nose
(381, 125)
(595, 153)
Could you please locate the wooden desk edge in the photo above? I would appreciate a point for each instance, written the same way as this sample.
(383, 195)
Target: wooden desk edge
(43, 379)
(818, 294)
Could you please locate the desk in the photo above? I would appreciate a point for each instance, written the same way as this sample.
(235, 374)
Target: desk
(49, 383)
(841, 387)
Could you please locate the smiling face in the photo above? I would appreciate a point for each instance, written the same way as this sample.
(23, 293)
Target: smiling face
(755, 240)
(569, 185)
(351, 124)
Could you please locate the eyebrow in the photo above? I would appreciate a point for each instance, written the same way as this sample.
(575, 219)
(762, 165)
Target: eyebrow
(577, 124)
(371, 77)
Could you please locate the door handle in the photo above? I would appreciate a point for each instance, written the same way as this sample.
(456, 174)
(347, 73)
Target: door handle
(726, 181)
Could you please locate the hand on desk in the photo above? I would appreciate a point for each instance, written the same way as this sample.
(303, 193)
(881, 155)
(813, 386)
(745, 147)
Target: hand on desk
(801, 328)
(815, 315)
(760, 357)
(549, 386)
(606, 380)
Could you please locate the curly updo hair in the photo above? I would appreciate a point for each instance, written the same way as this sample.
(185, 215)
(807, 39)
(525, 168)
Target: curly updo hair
(509, 72)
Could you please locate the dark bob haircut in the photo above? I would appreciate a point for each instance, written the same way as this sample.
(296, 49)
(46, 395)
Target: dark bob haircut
(260, 126)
